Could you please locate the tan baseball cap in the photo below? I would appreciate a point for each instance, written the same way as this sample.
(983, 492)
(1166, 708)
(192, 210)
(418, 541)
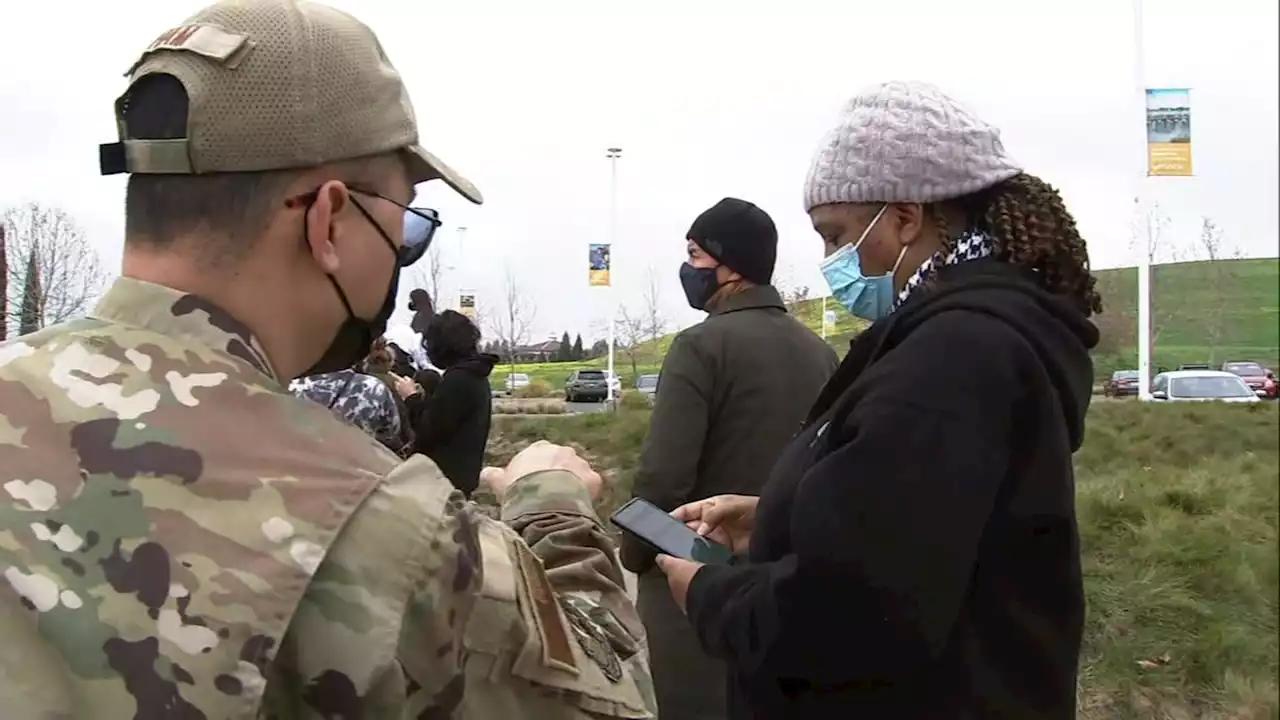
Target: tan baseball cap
(275, 85)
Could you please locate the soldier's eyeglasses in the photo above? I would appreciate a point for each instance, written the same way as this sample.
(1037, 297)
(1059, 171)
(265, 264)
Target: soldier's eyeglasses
(420, 224)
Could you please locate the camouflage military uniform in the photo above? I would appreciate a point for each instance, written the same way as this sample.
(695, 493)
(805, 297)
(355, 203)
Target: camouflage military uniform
(361, 400)
(182, 538)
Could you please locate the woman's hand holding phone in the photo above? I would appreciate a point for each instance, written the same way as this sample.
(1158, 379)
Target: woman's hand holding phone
(725, 519)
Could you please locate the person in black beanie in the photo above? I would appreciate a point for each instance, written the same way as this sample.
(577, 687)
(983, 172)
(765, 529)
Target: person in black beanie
(733, 390)
(732, 246)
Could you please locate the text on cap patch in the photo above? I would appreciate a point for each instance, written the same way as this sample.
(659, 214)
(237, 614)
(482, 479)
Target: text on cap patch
(205, 40)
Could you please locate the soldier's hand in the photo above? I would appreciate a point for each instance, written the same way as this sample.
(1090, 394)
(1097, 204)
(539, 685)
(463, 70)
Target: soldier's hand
(540, 456)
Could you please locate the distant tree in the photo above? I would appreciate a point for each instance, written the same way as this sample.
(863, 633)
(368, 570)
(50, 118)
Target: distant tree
(29, 315)
(512, 322)
(68, 276)
(599, 348)
(1220, 277)
(1149, 235)
(577, 353)
(428, 274)
(655, 323)
(1117, 333)
(564, 353)
(630, 335)
(794, 295)
(4, 287)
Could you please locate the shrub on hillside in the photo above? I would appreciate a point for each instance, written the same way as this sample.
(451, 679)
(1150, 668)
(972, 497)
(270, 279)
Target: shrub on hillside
(633, 400)
(539, 406)
(535, 389)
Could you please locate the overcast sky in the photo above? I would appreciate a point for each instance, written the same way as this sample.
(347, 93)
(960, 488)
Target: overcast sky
(730, 98)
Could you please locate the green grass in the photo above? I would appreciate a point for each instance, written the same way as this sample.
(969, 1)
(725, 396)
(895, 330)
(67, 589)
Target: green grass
(1185, 301)
(1185, 306)
(1178, 508)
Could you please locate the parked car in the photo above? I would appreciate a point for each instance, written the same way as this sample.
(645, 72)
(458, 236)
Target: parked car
(1196, 366)
(1262, 380)
(648, 386)
(1122, 383)
(586, 385)
(615, 382)
(1201, 386)
(517, 381)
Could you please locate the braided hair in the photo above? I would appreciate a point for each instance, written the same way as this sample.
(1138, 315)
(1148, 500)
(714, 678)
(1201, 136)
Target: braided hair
(1030, 226)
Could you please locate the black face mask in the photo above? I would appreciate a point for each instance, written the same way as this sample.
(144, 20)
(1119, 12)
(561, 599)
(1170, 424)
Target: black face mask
(355, 336)
(699, 284)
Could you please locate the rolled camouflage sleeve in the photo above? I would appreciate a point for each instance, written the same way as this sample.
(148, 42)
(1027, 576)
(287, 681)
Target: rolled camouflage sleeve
(553, 513)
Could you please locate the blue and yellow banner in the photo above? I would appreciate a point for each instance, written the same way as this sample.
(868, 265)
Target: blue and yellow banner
(598, 265)
(1169, 132)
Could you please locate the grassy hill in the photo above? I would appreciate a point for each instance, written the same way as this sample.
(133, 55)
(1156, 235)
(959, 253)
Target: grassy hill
(1202, 312)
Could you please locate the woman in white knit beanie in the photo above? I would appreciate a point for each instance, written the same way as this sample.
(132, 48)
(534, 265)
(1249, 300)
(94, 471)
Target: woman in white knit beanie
(915, 553)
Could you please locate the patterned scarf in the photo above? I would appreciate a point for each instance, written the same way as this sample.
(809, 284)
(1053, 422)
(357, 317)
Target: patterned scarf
(972, 245)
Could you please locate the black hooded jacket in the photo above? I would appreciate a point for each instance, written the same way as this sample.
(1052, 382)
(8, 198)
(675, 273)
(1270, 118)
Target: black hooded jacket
(452, 425)
(915, 552)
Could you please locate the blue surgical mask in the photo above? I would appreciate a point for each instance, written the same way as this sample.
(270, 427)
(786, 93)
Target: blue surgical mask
(869, 298)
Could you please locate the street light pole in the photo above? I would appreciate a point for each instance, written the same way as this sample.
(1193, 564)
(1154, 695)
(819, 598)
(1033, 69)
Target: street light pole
(1143, 244)
(465, 279)
(614, 154)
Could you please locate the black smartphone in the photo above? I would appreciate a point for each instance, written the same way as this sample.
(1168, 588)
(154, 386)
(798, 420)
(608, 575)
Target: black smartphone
(663, 533)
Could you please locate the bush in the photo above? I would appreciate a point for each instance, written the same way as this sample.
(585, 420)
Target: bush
(530, 407)
(633, 400)
(535, 389)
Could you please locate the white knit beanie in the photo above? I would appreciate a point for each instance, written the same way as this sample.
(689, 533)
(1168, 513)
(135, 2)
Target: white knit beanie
(906, 142)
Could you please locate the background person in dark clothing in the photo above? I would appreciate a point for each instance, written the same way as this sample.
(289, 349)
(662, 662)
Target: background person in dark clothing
(915, 553)
(452, 425)
(427, 381)
(734, 389)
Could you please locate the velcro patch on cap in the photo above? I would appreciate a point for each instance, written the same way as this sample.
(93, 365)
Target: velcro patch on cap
(204, 40)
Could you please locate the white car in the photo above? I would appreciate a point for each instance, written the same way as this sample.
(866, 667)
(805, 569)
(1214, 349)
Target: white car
(517, 381)
(614, 383)
(1201, 386)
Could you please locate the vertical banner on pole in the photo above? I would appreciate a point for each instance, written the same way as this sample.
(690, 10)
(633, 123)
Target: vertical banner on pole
(467, 305)
(1169, 132)
(598, 265)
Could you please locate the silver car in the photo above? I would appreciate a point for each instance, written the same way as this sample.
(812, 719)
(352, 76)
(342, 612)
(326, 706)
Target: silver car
(648, 386)
(1201, 386)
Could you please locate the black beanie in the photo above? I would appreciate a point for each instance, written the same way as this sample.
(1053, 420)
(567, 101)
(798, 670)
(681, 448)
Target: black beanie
(739, 235)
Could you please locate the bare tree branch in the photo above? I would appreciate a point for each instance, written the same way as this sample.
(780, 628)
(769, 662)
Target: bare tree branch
(512, 322)
(631, 332)
(70, 274)
(1149, 235)
(655, 321)
(428, 274)
(1219, 278)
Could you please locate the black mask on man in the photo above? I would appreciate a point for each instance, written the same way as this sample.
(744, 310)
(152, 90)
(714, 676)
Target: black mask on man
(699, 284)
(355, 336)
